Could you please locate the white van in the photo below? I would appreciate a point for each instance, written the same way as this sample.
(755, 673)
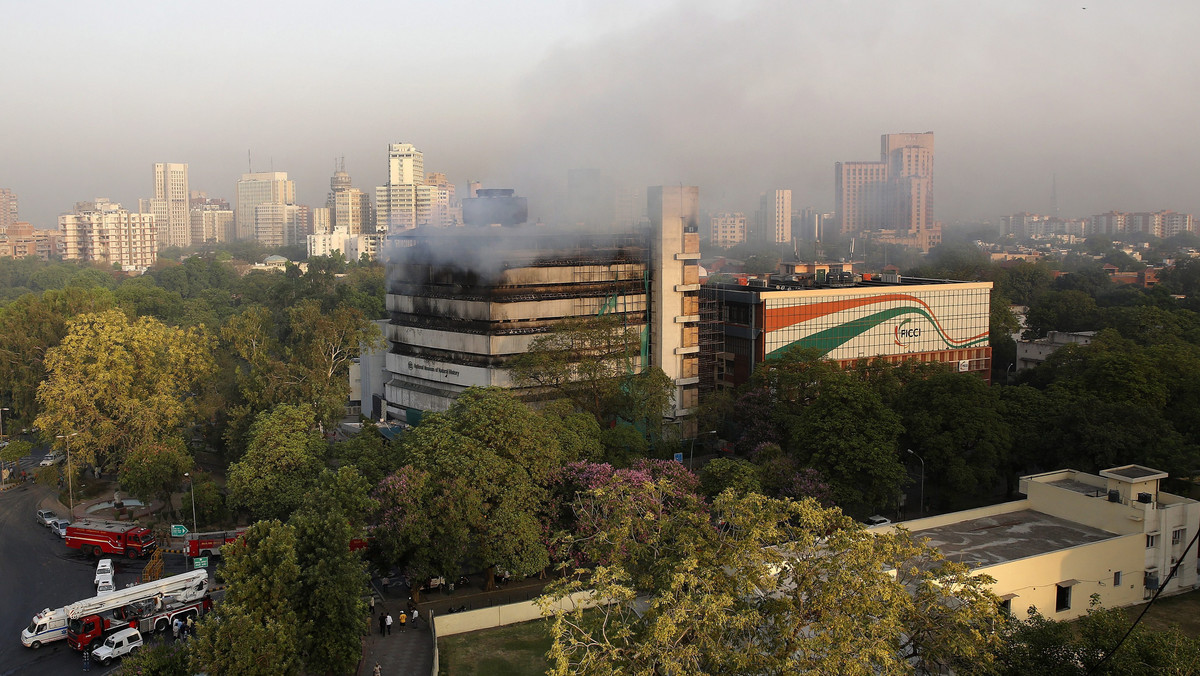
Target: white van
(104, 568)
(119, 644)
(46, 627)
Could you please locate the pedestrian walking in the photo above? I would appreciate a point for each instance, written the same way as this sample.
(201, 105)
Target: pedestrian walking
(371, 605)
(191, 625)
(377, 671)
(416, 614)
(382, 622)
(403, 620)
(87, 660)
(175, 627)
(389, 625)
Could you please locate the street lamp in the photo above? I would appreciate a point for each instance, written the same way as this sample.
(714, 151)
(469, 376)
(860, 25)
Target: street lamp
(910, 451)
(70, 487)
(192, 485)
(692, 452)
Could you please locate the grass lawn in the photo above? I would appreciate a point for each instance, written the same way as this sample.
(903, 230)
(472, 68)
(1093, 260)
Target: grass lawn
(515, 650)
(1182, 610)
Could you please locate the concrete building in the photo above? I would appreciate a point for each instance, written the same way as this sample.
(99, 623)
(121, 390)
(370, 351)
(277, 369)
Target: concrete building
(104, 232)
(1075, 534)
(1030, 353)
(464, 301)
(405, 201)
(849, 317)
(727, 229)
(894, 195)
(277, 224)
(272, 187)
(170, 205)
(446, 210)
(347, 207)
(351, 246)
(20, 240)
(8, 209)
(773, 220)
(211, 223)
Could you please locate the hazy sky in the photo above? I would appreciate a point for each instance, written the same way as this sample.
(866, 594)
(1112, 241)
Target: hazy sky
(736, 97)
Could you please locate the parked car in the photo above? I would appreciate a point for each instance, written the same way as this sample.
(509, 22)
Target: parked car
(119, 644)
(105, 586)
(51, 458)
(59, 526)
(45, 516)
(104, 568)
(878, 520)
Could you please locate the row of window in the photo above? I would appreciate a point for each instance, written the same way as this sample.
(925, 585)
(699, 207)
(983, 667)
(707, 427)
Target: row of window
(1177, 537)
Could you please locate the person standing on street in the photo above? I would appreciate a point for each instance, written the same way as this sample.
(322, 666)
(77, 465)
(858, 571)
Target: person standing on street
(382, 622)
(377, 671)
(416, 614)
(389, 625)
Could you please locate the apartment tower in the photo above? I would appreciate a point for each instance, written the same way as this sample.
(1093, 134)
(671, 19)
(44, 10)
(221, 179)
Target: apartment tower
(267, 187)
(171, 204)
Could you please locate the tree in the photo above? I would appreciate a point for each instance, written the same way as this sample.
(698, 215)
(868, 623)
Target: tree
(155, 470)
(1062, 311)
(281, 464)
(848, 435)
(368, 452)
(495, 457)
(953, 421)
(332, 578)
(158, 659)
(1043, 646)
(721, 474)
(120, 383)
(757, 585)
(256, 629)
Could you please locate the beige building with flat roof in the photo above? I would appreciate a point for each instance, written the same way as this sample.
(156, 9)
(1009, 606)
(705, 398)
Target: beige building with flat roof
(1075, 534)
(104, 232)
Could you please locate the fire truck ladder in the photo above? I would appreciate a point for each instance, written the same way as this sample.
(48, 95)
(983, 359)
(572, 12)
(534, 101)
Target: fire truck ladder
(185, 587)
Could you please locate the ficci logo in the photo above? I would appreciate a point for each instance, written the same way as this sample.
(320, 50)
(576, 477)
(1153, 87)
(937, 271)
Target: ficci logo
(902, 335)
(410, 366)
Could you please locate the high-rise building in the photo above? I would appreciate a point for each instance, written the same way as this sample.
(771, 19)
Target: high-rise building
(104, 232)
(727, 229)
(894, 194)
(170, 204)
(445, 207)
(349, 207)
(211, 223)
(260, 188)
(405, 201)
(675, 289)
(8, 209)
(773, 220)
(277, 224)
(321, 220)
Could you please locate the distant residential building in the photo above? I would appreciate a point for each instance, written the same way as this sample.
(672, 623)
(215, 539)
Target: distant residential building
(894, 195)
(773, 220)
(405, 201)
(321, 220)
(348, 207)
(272, 187)
(1030, 353)
(277, 224)
(1115, 535)
(445, 207)
(170, 204)
(20, 240)
(727, 229)
(211, 223)
(104, 232)
(8, 209)
(351, 245)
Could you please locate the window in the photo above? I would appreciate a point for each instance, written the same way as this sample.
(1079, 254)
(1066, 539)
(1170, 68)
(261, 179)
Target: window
(1006, 606)
(1151, 540)
(1117, 579)
(1178, 535)
(1062, 600)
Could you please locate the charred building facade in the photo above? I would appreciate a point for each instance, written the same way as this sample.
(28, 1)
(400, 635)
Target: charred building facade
(464, 302)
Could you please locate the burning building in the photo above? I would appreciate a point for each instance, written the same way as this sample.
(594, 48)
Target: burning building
(463, 302)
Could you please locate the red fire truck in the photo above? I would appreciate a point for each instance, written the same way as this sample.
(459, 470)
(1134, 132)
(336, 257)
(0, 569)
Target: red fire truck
(97, 537)
(152, 606)
(209, 544)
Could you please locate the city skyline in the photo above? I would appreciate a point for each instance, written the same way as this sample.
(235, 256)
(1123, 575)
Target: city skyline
(761, 96)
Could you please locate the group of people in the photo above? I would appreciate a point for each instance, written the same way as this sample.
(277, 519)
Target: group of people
(385, 621)
(183, 629)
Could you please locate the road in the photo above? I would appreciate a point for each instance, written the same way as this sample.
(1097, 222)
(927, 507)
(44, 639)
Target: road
(38, 571)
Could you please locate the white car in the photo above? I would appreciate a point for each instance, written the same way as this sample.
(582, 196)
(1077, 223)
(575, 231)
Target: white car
(119, 644)
(878, 521)
(105, 586)
(51, 458)
(46, 516)
(59, 526)
(104, 569)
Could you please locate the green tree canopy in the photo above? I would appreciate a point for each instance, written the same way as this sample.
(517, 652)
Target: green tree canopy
(281, 464)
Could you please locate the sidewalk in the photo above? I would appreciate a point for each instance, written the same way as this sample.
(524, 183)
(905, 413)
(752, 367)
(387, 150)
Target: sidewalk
(406, 652)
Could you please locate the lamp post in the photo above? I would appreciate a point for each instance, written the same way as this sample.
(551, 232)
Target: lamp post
(692, 452)
(70, 486)
(192, 486)
(910, 451)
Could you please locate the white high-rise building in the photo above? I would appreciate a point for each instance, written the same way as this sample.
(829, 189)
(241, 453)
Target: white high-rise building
(260, 188)
(170, 205)
(405, 201)
(103, 232)
(773, 220)
(211, 223)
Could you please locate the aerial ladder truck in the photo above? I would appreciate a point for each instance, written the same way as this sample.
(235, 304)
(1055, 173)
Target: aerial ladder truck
(147, 607)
